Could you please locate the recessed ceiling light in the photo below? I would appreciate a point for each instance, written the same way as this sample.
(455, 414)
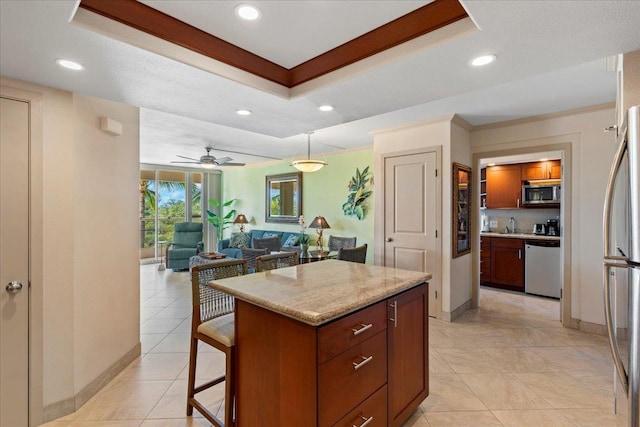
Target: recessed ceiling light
(243, 112)
(325, 108)
(483, 60)
(544, 160)
(71, 65)
(491, 164)
(248, 12)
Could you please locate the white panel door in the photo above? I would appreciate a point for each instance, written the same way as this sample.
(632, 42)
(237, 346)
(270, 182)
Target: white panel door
(14, 262)
(410, 209)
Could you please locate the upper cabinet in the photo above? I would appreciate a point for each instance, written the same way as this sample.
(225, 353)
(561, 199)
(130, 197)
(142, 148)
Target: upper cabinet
(551, 169)
(504, 186)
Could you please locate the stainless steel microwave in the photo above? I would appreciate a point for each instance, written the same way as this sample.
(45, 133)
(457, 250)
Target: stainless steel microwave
(540, 194)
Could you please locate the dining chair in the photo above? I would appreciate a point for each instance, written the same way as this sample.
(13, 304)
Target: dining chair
(213, 323)
(358, 254)
(337, 242)
(250, 255)
(274, 261)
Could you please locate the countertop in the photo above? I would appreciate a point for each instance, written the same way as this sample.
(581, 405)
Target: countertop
(526, 236)
(319, 292)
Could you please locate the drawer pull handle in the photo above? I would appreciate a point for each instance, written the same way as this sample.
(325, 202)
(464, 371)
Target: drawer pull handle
(364, 361)
(366, 421)
(362, 329)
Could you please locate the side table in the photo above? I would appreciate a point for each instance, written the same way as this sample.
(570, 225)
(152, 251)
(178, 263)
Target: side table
(162, 265)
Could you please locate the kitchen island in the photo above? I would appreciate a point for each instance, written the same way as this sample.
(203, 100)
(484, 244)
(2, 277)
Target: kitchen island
(330, 343)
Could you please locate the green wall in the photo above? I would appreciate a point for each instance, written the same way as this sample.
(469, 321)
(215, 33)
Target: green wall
(323, 193)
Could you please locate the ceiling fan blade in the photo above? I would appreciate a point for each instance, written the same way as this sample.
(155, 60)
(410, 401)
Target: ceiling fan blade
(231, 164)
(246, 154)
(185, 157)
(222, 160)
(197, 163)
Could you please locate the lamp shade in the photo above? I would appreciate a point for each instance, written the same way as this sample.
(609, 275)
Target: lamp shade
(319, 222)
(308, 165)
(241, 219)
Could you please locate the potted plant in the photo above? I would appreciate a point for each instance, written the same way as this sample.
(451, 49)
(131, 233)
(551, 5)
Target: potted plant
(219, 220)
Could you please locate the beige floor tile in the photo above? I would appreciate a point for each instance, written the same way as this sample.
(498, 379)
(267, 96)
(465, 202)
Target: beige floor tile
(450, 338)
(159, 326)
(437, 364)
(556, 418)
(123, 400)
(469, 360)
(462, 419)
(564, 391)
(447, 392)
(156, 301)
(521, 359)
(186, 422)
(149, 341)
(417, 419)
(156, 366)
(208, 366)
(184, 327)
(174, 402)
(174, 312)
(110, 423)
(504, 391)
(173, 343)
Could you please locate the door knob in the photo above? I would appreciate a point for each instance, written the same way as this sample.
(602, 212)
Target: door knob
(14, 287)
(388, 239)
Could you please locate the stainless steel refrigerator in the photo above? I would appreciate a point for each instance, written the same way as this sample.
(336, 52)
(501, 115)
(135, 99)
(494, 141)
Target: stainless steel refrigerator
(622, 262)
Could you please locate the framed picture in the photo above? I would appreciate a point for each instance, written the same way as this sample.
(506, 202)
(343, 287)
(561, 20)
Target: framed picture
(461, 210)
(283, 197)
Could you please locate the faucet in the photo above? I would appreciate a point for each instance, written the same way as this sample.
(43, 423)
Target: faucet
(512, 222)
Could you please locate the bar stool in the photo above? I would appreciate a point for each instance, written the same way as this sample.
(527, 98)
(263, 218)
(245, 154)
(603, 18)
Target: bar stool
(213, 323)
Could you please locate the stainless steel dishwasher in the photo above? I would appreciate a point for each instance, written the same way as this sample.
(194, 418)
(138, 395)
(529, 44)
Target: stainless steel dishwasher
(542, 268)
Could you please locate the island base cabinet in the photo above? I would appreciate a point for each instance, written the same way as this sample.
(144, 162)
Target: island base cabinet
(372, 370)
(408, 354)
(372, 411)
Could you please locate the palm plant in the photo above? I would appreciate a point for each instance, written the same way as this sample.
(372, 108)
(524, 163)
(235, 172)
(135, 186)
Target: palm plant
(219, 219)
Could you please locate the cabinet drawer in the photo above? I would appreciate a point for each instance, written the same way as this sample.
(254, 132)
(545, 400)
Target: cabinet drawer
(351, 377)
(344, 333)
(507, 243)
(374, 408)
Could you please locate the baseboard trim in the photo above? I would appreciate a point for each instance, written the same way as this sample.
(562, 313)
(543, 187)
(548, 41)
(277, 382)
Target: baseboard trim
(593, 328)
(72, 404)
(453, 315)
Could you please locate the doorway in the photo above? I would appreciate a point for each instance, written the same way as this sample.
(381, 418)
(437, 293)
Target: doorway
(528, 217)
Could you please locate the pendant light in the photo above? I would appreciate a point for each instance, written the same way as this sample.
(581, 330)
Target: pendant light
(308, 165)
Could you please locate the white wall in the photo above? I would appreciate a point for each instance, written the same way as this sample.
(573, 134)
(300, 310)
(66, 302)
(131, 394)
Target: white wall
(592, 152)
(90, 274)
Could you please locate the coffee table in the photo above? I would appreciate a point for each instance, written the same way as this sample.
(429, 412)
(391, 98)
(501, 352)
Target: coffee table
(205, 258)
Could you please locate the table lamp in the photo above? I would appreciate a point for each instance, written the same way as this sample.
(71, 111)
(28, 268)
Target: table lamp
(242, 220)
(320, 224)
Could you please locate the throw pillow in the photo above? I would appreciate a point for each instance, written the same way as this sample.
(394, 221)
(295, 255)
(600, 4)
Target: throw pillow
(292, 240)
(240, 240)
(268, 234)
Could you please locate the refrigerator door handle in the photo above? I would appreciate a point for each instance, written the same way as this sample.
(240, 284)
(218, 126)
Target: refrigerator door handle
(608, 316)
(608, 197)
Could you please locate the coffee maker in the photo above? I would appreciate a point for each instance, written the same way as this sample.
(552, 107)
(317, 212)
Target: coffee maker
(552, 227)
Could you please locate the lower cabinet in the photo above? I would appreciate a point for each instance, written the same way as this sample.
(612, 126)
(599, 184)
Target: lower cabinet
(369, 367)
(502, 263)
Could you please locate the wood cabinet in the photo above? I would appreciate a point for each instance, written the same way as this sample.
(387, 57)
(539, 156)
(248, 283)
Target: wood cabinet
(504, 186)
(368, 365)
(408, 375)
(483, 188)
(551, 169)
(485, 260)
(507, 263)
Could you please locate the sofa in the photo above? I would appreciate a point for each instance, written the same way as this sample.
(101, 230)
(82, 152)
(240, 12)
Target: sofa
(231, 246)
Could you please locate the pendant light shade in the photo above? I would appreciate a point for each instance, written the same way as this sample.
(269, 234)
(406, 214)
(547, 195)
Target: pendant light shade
(308, 165)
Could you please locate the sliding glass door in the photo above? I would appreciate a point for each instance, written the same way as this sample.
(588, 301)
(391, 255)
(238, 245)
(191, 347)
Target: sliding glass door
(166, 197)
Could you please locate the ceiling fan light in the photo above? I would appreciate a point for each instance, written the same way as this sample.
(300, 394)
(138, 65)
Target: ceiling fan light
(208, 165)
(308, 165)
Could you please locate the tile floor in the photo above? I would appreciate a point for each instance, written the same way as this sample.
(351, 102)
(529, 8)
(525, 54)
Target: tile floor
(509, 363)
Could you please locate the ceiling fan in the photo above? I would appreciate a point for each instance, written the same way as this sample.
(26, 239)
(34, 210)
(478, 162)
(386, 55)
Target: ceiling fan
(208, 161)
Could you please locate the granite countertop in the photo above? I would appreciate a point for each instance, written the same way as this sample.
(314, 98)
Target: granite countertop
(526, 236)
(319, 292)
